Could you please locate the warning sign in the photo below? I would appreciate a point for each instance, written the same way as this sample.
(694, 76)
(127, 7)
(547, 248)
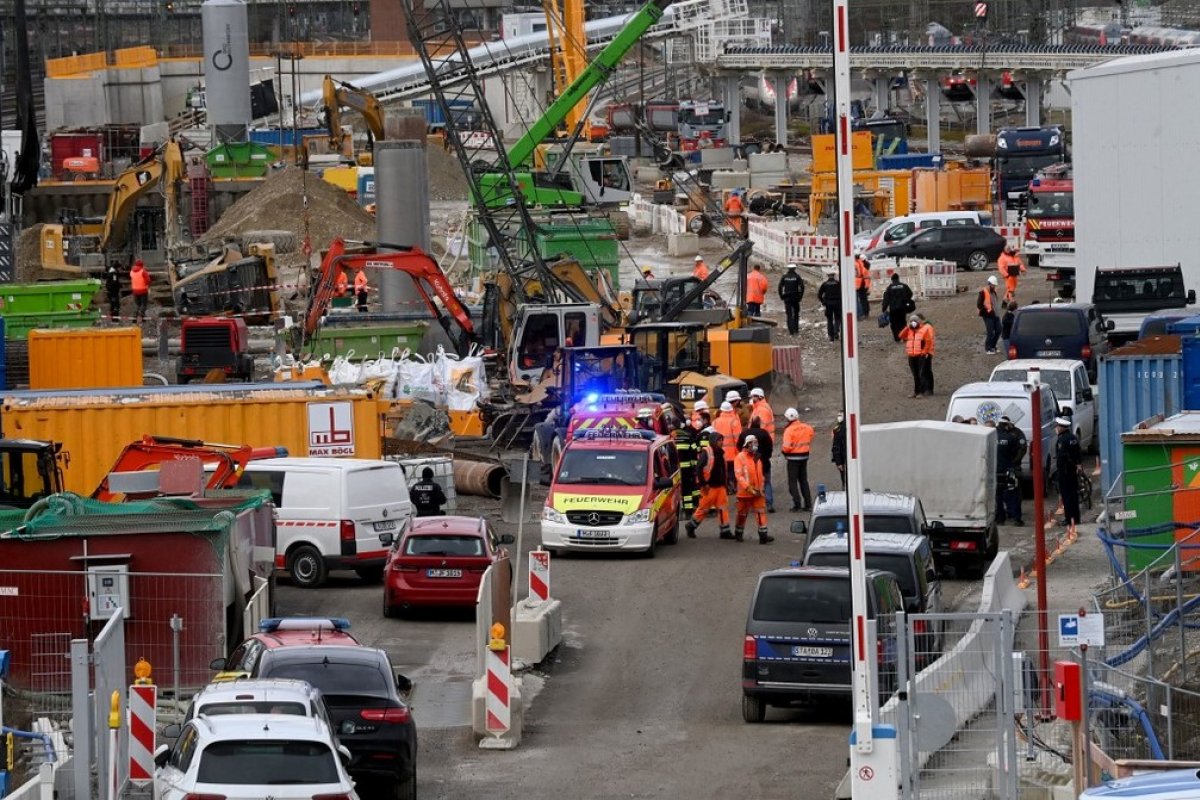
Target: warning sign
(331, 429)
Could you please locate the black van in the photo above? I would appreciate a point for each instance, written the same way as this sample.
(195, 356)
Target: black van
(797, 647)
(1059, 330)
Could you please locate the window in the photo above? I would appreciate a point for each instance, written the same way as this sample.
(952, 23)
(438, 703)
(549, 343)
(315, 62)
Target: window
(933, 236)
(1059, 380)
(1050, 205)
(929, 223)
(271, 481)
(443, 546)
(1134, 291)
(960, 235)
(899, 564)
(616, 468)
(337, 680)
(539, 341)
(898, 232)
(874, 523)
(254, 649)
(803, 599)
(575, 329)
(19, 479)
(267, 762)
(254, 707)
(1049, 323)
(185, 749)
(958, 221)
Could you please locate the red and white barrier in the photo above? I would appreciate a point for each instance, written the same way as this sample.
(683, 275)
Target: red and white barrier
(788, 360)
(539, 575)
(499, 689)
(143, 702)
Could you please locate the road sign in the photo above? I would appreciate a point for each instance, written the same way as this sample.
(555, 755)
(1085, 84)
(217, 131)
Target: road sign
(1075, 630)
(981, 10)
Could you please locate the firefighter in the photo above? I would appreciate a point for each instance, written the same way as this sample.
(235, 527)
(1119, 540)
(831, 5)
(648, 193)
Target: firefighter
(139, 280)
(427, 496)
(797, 446)
(735, 210)
(749, 476)
(645, 419)
(862, 284)
(112, 287)
(918, 345)
(714, 496)
(360, 289)
(791, 292)
(756, 291)
(760, 408)
(700, 269)
(730, 427)
(1011, 267)
(687, 443)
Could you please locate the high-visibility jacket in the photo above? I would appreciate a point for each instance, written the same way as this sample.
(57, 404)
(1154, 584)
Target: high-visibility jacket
(862, 275)
(360, 281)
(918, 341)
(985, 303)
(139, 280)
(700, 271)
(730, 427)
(765, 416)
(712, 466)
(749, 473)
(343, 283)
(1010, 265)
(797, 440)
(733, 205)
(756, 287)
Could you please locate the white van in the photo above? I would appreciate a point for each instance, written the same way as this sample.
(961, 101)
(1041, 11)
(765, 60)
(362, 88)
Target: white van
(1069, 379)
(898, 228)
(988, 402)
(329, 513)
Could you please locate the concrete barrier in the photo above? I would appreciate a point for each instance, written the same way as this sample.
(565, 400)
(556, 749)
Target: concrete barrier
(537, 629)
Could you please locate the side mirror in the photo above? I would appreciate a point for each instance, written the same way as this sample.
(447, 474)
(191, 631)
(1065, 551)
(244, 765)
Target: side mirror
(1087, 395)
(1110, 325)
(404, 685)
(663, 483)
(507, 538)
(172, 731)
(161, 754)
(217, 664)
(344, 752)
(935, 527)
(799, 527)
(1191, 297)
(387, 539)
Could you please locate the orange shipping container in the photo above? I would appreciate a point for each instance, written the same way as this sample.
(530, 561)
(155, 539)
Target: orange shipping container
(952, 190)
(87, 358)
(308, 419)
(824, 157)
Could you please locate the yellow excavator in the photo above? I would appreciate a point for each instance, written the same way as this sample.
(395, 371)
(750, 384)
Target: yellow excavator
(81, 245)
(336, 95)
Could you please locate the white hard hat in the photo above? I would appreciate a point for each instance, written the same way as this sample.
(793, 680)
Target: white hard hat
(792, 266)
(727, 406)
(645, 412)
(750, 440)
(1064, 421)
(756, 392)
(700, 406)
(710, 430)
(732, 395)
(791, 414)
(992, 280)
(699, 258)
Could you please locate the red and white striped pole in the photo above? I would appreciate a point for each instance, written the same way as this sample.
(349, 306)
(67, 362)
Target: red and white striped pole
(539, 575)
(497, 702)
(143, 702)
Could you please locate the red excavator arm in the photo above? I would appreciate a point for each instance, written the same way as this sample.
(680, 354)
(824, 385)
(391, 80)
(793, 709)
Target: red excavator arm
(227, 461)
(412, 261)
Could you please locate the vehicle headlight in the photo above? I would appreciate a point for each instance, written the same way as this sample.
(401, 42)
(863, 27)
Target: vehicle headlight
(638, 517)
(550, 515)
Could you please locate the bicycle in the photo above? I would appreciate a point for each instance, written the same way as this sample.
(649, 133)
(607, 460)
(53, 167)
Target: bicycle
(1084, 482)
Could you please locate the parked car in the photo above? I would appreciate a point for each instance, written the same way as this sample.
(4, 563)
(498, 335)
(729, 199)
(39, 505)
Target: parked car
(253, 696)
(1060, 330)
(438, 561)
(1069, 380)
(1173, 784)
(253, 755)
(899, 228)
(987, 402)
(281, 632)
(367, 701)
(797, 643)
(970, 246)
(886, 512)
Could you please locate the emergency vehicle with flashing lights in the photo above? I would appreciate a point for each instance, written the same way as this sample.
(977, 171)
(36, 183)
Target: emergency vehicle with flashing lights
(612, 410)
(276, 632)
(614, 489)
(1049, 228)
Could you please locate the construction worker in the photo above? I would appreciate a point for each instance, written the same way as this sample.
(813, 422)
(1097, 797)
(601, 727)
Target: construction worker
(714, 495)
(343, 283)
(700, 269)
(1010, 449)
(687, 443)
(919, 343)
(734, 398)
(360, 289)
(797, 446)
(1067, 460)
(749, 476)
(665, 425)
(898, 302)
(986, 303)
(862, 284)
(730, 427)
(699, 410)
(1011, 267)
(427, 495)
(647, 273)
(829, 295)
(112, 287)
(645, 419)
(791, 292)
(837, 450)
(735, 210)
(761, 409)
(139, 280)
(756, 291)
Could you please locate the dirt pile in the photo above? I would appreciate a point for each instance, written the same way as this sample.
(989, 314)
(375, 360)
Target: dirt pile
(29, 254)
(446, 179)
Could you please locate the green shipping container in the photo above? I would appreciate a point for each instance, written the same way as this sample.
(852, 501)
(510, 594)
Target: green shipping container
(361, 342)
(48, 297)
(239, 160)
(1161, 485)
(592, 242)
(18, 326)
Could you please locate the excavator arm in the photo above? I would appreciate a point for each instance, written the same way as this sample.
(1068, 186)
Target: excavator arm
(739, 257)
(412, 261)
(337, 95)
(134, 183)
(227, 462)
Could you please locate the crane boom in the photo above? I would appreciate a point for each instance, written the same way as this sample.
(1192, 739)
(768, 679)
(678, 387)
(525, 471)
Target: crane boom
(336, 94)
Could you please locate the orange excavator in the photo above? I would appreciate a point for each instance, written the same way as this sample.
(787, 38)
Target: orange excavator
(427, 276)
(223, 465)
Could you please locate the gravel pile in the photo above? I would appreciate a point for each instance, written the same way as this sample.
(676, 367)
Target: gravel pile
(446, 179)
(29, 246)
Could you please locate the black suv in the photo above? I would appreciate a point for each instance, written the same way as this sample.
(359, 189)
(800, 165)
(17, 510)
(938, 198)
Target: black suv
(1060, 330)
(366, 702)
(970, 246)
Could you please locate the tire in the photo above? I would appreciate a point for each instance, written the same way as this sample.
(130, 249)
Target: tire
(977, 261)
(284, 241)
(370, 574)
(389, 611)
(672, 536)
(306, 567)
(650, 551)
(754, 710)
(407, 788)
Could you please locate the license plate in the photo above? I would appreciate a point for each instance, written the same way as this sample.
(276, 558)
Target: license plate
(390, 525)
(812, 652)
(593, 533)
(1049, 353)
(444, 573)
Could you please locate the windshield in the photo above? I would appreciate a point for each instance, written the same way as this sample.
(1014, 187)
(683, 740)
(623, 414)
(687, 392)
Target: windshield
(1059, 380)
(267, 763)
(786, 598)
(443, 546)
(1017, 166)
(1134, 292)
(621, 468)
(339, 678)
(253, 707)
(1051, 204)
(1050, 323)
(702, 115)
(895, 563)
(875, 523)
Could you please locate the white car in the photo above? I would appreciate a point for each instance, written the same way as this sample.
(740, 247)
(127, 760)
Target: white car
(1175, 784)
(252, 756)
(254, 696)
(1069, 380)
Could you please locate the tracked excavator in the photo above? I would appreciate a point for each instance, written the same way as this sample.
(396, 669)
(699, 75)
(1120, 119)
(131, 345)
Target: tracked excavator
(336, 95)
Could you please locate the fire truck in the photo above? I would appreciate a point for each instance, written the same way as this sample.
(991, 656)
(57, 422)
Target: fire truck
(1050, 220)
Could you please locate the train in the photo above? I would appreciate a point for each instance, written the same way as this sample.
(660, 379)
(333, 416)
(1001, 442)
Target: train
(1111, 34)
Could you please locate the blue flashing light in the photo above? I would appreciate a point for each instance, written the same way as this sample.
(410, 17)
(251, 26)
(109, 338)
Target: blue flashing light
(840, 529)
(272, 624)
(592, 398)
(794, 564)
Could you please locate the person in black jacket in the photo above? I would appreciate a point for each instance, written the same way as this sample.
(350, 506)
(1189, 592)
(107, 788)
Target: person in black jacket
(829, 295)
(791, 292)
(838, 449)
(427, 496)
(898, 303)
(756, 430)
(112, 287)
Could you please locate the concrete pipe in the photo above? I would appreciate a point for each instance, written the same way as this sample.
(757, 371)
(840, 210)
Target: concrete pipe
(698, 223)
(479, 478)
(980, 145)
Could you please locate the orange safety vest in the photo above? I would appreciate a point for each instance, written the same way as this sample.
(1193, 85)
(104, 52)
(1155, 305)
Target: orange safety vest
(765, 416)
(734, 205)
(749, 472)
(342, 283)
(139, 279)
(1005, 261)
(711, 459)
(797, 439)
(987, 299)
(862, 275)
(730, 427)
(700, 271)
(360, 281)
(756, 287)
(918, 342)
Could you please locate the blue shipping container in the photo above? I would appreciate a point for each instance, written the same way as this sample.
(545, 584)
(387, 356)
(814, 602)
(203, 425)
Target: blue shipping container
(366, 186)
(434, 116)
(1187, 326)
(910, 161)
(1191, 373)
(274, 137)
(1133, 388)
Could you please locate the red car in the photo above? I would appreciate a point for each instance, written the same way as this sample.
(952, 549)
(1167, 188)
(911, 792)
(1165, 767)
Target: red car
(439, 561)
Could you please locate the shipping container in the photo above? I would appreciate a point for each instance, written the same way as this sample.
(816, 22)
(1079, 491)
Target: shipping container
(239, 160)
(309, 419)
(1186, 326)
(274, 137)
(47, 297)
(909, 161)
(74, 145)
(1161, 498)
(1135, 382)
(366, 186)
(85, 359)
(18, 326)
(362, 342)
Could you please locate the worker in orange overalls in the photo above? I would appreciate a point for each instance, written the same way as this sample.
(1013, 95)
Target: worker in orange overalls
(918, 346)
(862, 284)
(761, 409)
(700, 269)
(797, 446)
(749, 474)
(343, 283)
(756, 291)
(730, 427)
(139, 281)
(360, 289)
(1011, 267)
(735, 210)
(714, 496)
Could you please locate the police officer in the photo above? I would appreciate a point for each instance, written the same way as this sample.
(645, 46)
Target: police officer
(1067, 459)
(837, 450)
(427, 496)
(829, 295)
(686, 439)
(791, 292)
(1010, 450)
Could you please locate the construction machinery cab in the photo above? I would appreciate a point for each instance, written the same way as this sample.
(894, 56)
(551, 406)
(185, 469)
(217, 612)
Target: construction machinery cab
(30, 470)
(676, 360)
(653, 297)
(541, 330)
(214, 343)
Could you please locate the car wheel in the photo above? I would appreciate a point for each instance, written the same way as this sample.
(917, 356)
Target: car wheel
(306, 567)
(407, 788)
(370, 574)
(653, 548)
(977, 261)
(754, 710)
(672, 536)
(389, 611)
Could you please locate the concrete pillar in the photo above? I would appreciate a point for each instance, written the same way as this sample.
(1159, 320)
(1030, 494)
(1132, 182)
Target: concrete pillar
(732, 85)
(401, 215)
(780, 81)
(881, 90)
(933, 112)
(1033, 100)
(983, 103)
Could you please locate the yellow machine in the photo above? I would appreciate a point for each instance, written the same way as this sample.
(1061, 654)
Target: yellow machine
(337, 95)
(568, 53)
